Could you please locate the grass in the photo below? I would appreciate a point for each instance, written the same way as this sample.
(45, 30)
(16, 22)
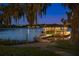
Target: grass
(24, 51)
(7, 49)
(68, 46)
(65, 45)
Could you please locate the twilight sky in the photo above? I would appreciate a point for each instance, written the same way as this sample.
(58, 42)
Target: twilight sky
(54, 14)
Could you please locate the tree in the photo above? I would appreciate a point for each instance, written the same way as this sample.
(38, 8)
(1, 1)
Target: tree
(73, 18)
(18, 10)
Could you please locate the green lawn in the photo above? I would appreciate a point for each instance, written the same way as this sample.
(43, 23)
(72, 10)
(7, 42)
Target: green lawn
(24, 51)
(69, 47)
(66, 46)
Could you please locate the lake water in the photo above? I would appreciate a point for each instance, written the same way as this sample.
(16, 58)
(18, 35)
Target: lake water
(19, 33)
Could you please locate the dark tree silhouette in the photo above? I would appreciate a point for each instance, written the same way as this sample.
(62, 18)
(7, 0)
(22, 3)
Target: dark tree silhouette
(17, 10)
(73, 19)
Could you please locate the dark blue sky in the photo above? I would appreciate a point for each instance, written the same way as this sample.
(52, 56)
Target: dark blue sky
(54, 15)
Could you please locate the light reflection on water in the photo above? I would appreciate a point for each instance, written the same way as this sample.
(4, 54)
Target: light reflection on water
(20, 33)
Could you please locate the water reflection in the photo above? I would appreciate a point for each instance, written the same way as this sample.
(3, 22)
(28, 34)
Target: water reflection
(20, 33)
